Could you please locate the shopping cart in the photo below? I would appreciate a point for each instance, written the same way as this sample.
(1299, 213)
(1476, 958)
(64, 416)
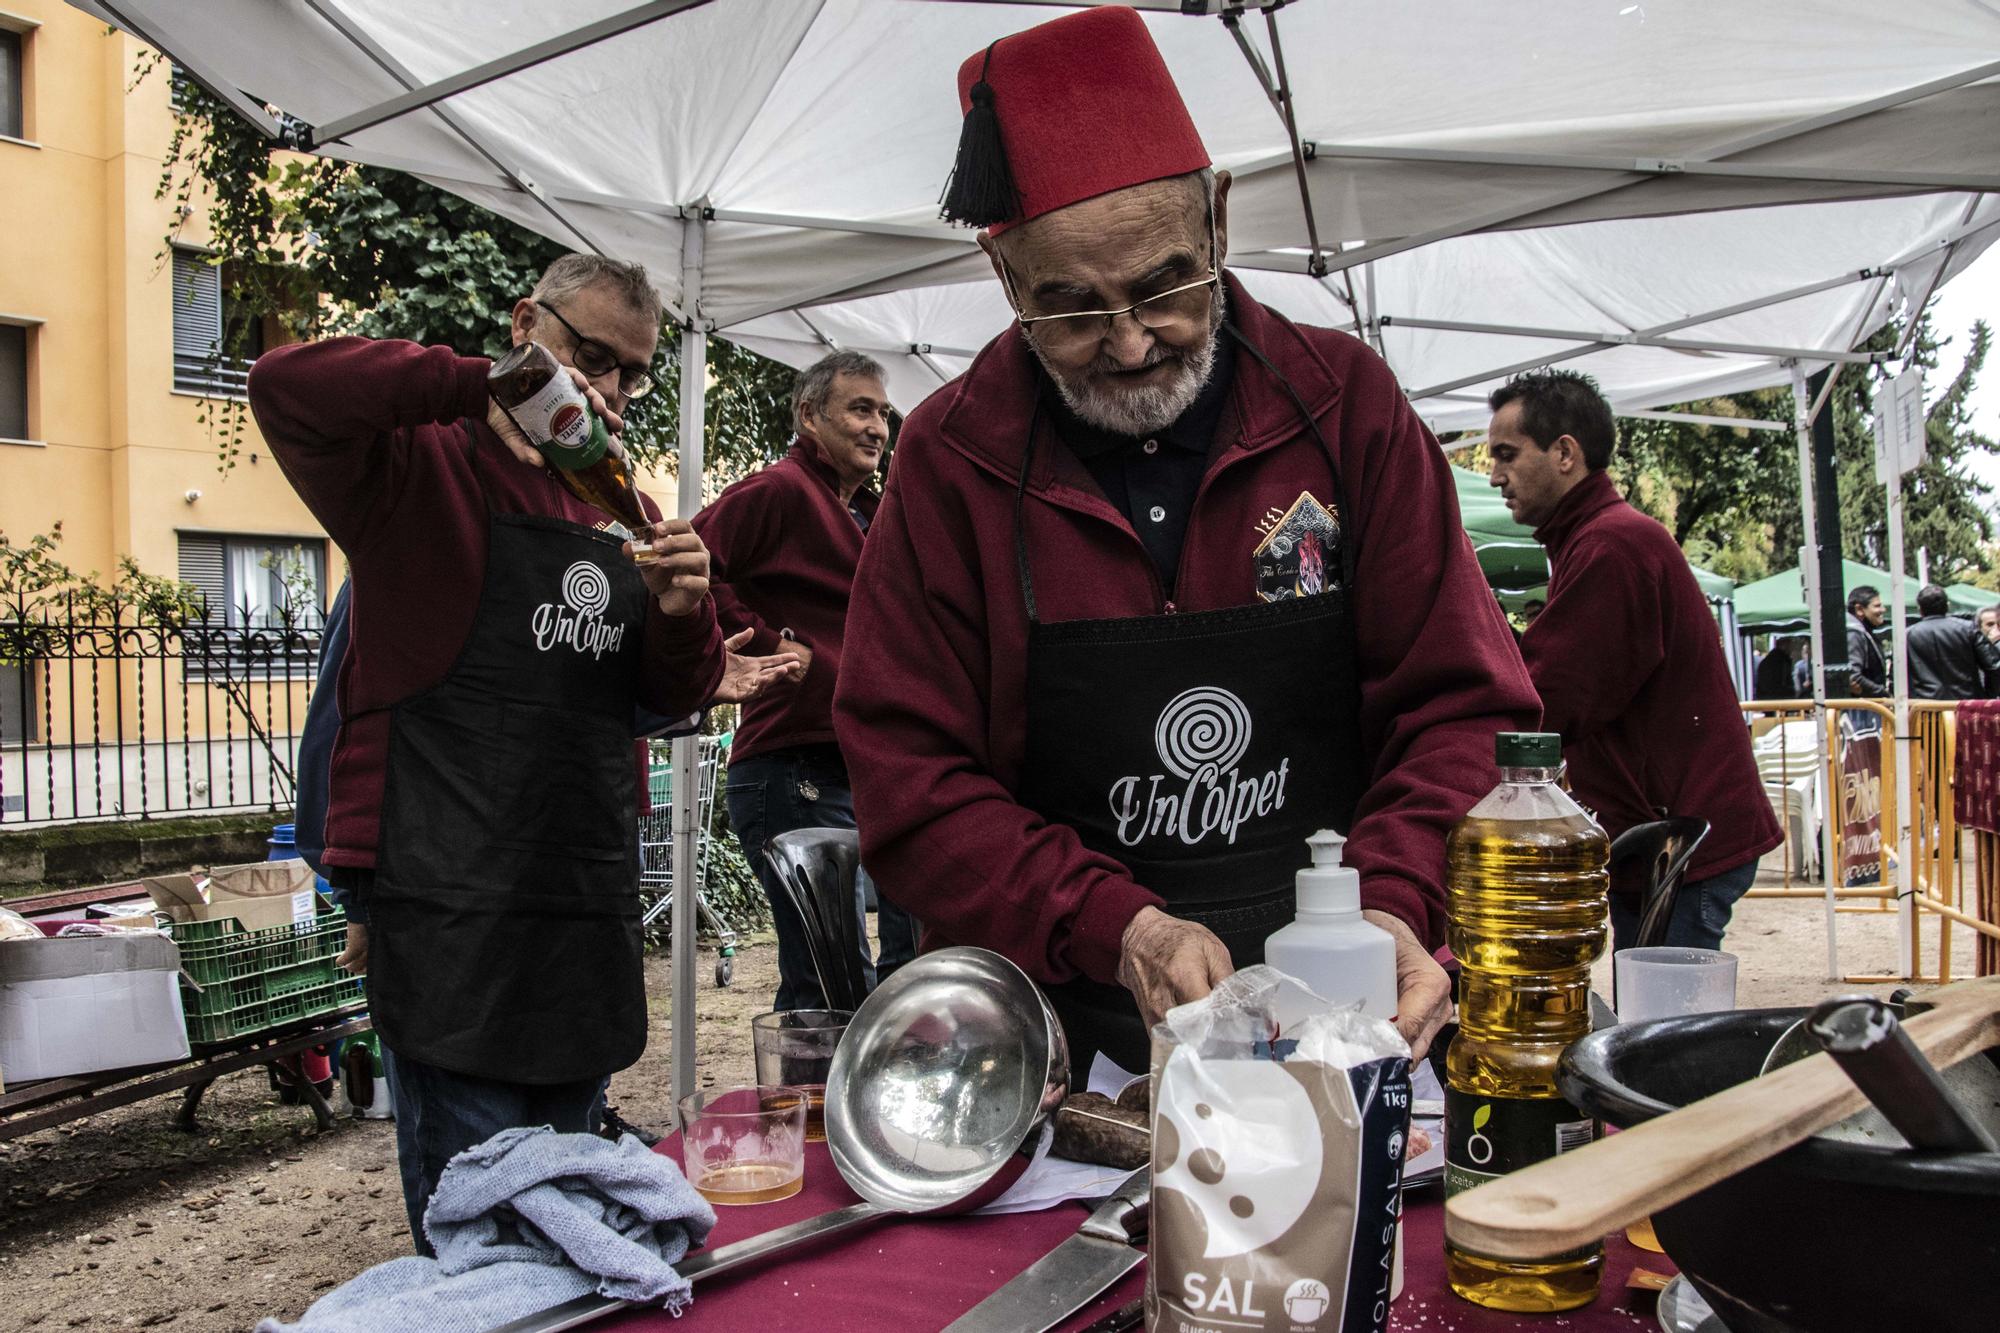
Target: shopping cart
(656, 844)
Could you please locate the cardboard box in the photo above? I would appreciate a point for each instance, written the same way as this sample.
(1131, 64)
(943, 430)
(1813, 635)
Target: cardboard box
(79, 1005)
(260, 896)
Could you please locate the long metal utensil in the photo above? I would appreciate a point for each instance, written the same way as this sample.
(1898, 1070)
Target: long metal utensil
(1862, 1035)
(704, 1263)
(1105, 1248)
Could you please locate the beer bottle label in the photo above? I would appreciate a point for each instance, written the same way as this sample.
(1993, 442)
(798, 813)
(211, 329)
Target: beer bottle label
(557, 421)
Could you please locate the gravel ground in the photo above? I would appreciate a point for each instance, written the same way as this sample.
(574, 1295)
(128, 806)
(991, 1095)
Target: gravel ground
(120, 1221)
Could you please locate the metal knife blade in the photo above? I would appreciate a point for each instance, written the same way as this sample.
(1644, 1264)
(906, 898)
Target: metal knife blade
(1105, 1248)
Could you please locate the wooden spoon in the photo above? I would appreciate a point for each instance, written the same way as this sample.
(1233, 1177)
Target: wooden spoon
(1573, 1200)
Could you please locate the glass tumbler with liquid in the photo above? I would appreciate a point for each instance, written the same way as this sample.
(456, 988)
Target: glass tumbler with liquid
(744, 1144)
(1526, 876)
(794, 1049)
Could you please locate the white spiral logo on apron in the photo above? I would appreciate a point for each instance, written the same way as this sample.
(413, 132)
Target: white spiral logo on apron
(585, 588)
(1201, 726)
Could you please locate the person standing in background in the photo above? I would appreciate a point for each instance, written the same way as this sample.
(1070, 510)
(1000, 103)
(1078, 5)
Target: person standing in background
(785, 542)
(482, 794)
(1868, 674)
(1625, 656)
(1949, 658)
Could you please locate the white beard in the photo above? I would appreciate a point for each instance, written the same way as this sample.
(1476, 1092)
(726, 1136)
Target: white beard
(1145, 411)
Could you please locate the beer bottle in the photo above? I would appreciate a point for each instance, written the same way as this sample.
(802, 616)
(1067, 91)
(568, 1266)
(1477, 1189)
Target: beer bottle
(538, 395)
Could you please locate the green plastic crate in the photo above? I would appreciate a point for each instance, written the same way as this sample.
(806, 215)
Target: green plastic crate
(214, 1027)
(243, 981)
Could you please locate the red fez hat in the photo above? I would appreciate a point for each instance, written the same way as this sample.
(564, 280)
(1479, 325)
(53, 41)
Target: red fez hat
(1065, 111)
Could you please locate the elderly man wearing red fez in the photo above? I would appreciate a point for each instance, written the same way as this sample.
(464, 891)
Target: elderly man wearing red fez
(1160, 586)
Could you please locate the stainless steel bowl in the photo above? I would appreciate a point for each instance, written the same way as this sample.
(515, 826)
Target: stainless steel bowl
(941, 1085)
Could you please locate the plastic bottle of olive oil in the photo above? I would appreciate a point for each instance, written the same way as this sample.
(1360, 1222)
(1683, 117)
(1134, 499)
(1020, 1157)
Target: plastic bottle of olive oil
(1525, 887)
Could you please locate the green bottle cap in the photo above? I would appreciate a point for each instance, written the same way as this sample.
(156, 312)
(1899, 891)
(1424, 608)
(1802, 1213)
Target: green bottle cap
(1527, 749)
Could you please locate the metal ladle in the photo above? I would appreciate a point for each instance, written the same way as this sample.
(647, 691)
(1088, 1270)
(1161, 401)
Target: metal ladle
(934, 1105)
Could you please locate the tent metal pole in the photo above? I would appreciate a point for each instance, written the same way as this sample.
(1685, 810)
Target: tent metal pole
(1809, 573)
(1690, 321)
(1905, 868)
(1702, 419)
(1635, 340)
(835, 290)
(416, 99)
(687, 808)
(1279, 91)
(1920, 181)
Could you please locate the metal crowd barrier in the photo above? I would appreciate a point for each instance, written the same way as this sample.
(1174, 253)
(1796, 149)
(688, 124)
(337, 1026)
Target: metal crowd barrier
(1931, 875)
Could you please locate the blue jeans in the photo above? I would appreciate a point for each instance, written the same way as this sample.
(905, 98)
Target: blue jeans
(1701, 913)
(807, 787)
(440, 1114)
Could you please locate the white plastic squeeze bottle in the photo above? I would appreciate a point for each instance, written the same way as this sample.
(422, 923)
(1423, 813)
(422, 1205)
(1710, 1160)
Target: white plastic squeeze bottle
(1328, 946)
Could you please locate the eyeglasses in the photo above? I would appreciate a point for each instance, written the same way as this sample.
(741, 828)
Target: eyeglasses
(1186, 304)
(596, 360)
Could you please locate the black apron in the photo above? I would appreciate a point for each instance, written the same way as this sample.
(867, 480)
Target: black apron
(1197, 749)
(504, 935)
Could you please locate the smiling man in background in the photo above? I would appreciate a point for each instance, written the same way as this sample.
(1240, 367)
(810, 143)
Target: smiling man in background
(785, 542)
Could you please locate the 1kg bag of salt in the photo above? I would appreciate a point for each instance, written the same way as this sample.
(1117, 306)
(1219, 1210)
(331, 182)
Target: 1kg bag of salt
(1278, 1131)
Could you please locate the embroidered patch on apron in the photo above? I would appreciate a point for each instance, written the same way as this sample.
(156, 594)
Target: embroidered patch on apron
(1293, 559)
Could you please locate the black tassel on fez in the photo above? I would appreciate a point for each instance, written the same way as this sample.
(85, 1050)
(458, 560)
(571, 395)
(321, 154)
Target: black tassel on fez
(981, 189)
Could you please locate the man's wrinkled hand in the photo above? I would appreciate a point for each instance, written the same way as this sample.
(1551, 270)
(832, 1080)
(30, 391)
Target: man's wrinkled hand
(744, 678)
(1165, 961)
(353, 959)
(677, 574)
(1423, 991)
(517, 443)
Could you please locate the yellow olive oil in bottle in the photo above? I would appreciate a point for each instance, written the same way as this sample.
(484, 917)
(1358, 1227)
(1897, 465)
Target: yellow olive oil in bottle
(1525, 888)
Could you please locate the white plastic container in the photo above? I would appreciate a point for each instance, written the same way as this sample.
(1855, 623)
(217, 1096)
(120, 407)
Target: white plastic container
(1328, 946)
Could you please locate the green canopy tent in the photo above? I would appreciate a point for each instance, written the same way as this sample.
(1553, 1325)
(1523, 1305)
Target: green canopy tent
(1509, 555)
(1778, 603)
(1968, 599)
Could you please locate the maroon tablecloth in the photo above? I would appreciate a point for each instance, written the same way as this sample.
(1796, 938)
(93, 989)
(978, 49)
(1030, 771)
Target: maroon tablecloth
(921, 1274)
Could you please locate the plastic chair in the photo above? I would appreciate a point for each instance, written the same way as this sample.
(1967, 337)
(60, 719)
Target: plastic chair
(1648, 862)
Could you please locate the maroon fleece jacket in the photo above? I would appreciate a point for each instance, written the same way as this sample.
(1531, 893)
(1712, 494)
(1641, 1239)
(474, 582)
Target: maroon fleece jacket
(930, 703)
(373, 437)
(1630, 669)
(782, 551)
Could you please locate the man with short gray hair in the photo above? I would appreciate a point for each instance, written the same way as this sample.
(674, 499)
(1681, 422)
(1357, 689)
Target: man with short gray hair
(784, 543)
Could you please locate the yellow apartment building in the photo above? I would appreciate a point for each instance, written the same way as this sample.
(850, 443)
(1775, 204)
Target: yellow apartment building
(110, 383)
(107, 364)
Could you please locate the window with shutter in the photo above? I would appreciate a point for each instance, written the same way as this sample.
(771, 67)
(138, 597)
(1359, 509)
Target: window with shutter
(13, 382)
(200, 365)
(203, 564)
(252, 585)
(13, 108)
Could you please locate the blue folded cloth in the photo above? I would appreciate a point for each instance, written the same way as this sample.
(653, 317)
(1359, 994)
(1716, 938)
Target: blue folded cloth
(525, 1221)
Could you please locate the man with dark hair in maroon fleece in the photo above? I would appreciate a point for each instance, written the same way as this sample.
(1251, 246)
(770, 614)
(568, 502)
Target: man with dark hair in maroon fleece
(482, 789)
(785, 541)
(1626, 655)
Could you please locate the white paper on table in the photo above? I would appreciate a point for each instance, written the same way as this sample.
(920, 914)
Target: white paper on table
(1424, 1087)
(1050, 1180)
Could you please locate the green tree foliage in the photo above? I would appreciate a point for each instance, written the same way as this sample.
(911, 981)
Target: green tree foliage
(324, 247)
(1945, 508)
(1730, 495)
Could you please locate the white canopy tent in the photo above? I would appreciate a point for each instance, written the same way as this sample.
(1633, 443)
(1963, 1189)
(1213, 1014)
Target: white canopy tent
(1682, 198)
